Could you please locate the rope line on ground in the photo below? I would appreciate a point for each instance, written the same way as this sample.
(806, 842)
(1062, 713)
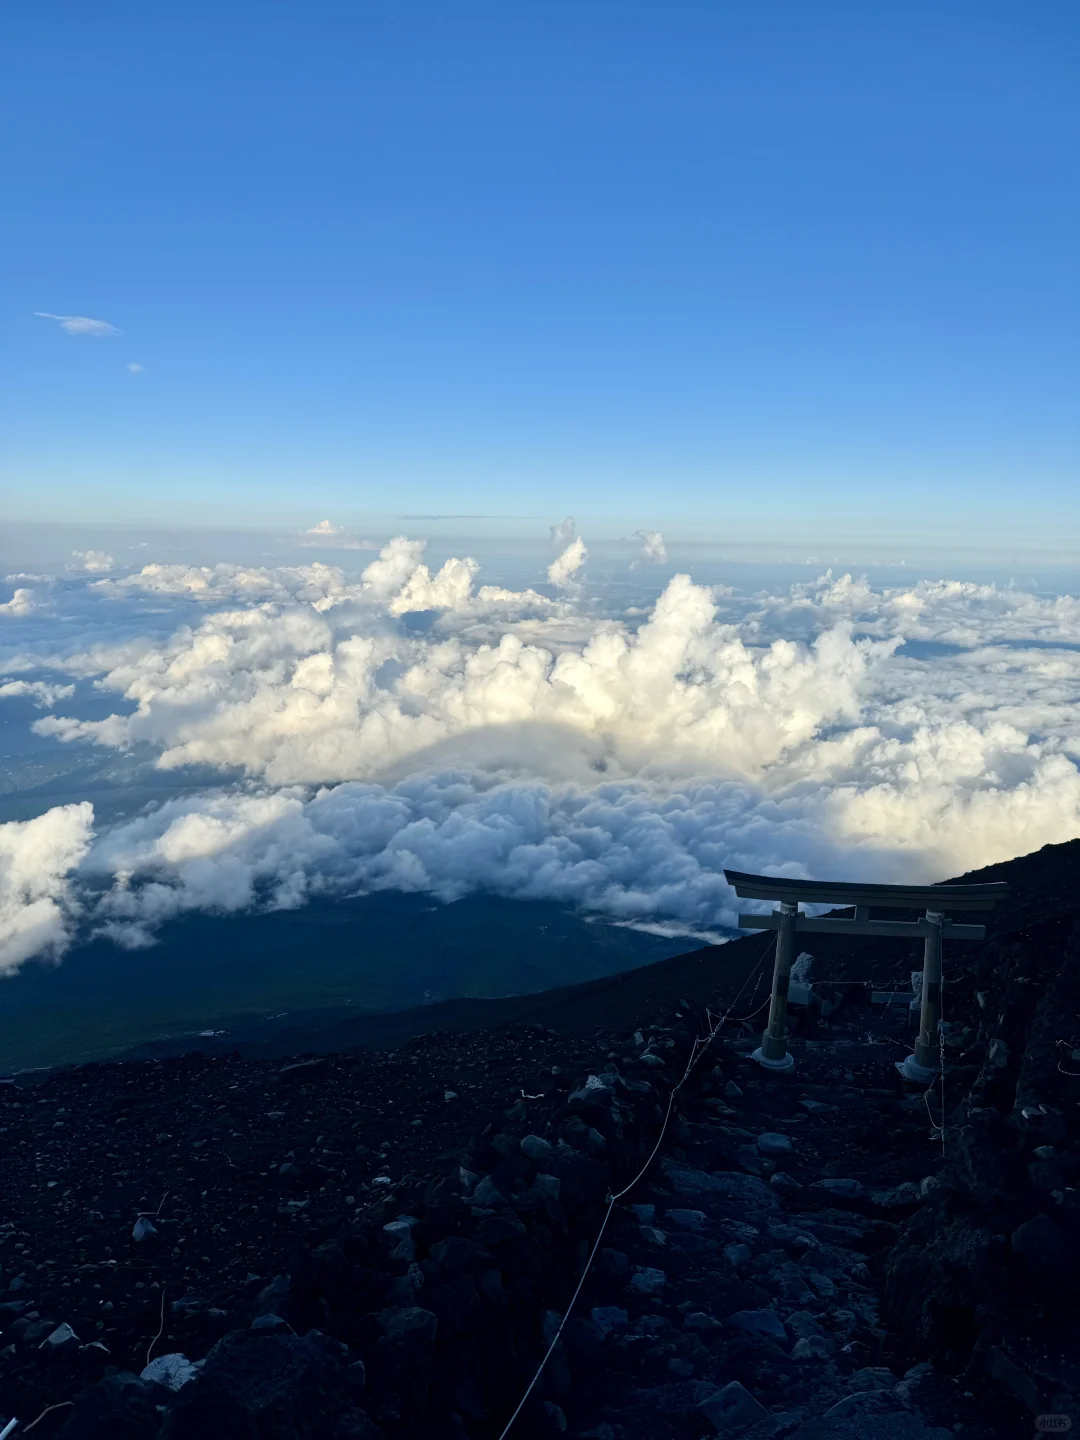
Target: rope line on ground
(701, 1044)
(939, 1079)
(161, 1329)
(60, 1405)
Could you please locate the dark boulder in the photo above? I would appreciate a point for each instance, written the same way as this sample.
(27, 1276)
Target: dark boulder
(120, 1407)
(270, 1387)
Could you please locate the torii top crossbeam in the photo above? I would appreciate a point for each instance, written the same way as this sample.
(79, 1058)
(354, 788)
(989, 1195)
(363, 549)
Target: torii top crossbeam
(847, 892)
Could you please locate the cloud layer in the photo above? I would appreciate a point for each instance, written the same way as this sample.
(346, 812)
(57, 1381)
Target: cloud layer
(410, 729)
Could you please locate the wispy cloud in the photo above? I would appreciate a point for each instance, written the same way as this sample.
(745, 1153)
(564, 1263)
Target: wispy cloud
(333, 537)
(135, 367)
(466, 517)
(79, 324)
(563, 533)
(653, 550)
(40, 692)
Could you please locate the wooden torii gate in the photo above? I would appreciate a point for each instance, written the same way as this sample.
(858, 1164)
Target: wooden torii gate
(924, 1064)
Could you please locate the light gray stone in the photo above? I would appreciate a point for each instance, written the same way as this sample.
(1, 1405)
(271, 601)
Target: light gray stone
(535, 1147)
(607, 1318)
(759, 1322)
(785, 1183)
(488, 1195)
(866, 1402)
(810, 1347)
(744, 1190)
(647, 1280)
(822, 1284)
(846, 1187)
(687, 1219)
(732, 1408)
(771, 1143)
(900, 1426)
(173, 1370)
(61, 1341)
(873, 1377)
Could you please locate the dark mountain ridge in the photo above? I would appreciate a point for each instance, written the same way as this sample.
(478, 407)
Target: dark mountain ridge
(1045, 888)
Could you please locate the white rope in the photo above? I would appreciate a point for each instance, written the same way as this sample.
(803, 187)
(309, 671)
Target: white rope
(701, 1044)
(60, 1405)
(161, 1328)
(939, 1079)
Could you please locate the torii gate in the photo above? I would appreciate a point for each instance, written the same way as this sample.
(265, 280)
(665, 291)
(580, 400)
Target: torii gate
(932, 928)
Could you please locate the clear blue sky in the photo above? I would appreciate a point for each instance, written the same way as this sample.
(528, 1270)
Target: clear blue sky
(711, 265)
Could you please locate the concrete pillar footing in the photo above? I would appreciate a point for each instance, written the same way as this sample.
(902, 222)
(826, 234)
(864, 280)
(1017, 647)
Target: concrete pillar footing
(786, 1062)
(910, 1069)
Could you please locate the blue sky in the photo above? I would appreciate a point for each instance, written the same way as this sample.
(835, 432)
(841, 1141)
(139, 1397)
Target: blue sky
(718, 268)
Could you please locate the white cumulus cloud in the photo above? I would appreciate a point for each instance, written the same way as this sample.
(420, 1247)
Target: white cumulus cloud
(653, 550)
(92, 561)
(36, 901)
(564, 570)
(328, 536)
(21, 603)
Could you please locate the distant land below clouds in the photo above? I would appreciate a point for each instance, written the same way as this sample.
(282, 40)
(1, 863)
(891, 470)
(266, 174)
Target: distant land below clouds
(468, 517)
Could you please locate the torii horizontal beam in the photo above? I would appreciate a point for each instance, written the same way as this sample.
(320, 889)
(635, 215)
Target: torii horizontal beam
(890, 929)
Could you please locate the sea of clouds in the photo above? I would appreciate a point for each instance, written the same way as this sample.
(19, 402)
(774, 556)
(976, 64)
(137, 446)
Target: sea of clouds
(409, 727)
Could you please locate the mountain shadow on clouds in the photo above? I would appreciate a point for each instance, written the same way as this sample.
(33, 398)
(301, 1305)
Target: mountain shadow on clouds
(522, 749)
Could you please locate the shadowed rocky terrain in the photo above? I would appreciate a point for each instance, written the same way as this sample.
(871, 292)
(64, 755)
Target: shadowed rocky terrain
(384, 1241)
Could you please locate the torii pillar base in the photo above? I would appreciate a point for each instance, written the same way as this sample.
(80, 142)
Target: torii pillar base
(785, 1063)
(910, 1069)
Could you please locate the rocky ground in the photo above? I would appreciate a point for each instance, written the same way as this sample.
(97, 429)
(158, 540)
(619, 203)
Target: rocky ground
(384, 1242)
